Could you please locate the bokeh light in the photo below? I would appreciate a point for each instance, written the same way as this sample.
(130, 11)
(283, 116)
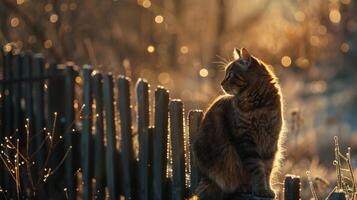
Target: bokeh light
(299, 16)
(48, 7)
(47, 44)
(146, 4)
(184, 49)
(14, 22)
(151, 49)
(159, 19)
(203, 72)
(345, 47)
(53, 18)
(7, 47)
(19, 2)
(335, 16)
(164, 78)
(286, 61)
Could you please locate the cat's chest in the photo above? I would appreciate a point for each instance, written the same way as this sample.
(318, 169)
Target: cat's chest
(259, 124)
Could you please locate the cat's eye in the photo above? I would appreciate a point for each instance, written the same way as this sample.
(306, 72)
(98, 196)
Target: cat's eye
(230, 74)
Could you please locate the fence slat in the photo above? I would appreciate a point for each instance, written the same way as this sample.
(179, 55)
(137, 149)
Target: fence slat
(38, 66)
(99, 153)
(55, 97)
(8, 183)
(151, 131)
(142, 91)
(177, 142)
(292, 188)
(38, 107)
(18, 122)
(194, 120)
(108, 99)
(2, 93)
(87, 133)
(69, 136)
(127, 156)
(27, 73)
(160, 143)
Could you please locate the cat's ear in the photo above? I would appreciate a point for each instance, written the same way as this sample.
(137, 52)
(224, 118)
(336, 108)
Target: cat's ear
(245, 55)
(236, 54)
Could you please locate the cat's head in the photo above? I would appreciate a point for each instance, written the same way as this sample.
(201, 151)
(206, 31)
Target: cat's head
(243, 72)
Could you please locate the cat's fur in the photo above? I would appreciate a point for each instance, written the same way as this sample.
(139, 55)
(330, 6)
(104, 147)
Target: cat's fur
(238, 140)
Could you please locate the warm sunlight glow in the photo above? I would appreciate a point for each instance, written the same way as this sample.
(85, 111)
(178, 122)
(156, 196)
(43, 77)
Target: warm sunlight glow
(15, 22)
(286, 61)
(335, 16)
(204, 72)
(159, 19)
(151, 49)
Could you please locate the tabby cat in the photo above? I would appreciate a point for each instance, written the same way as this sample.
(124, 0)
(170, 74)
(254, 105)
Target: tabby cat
(238, 140)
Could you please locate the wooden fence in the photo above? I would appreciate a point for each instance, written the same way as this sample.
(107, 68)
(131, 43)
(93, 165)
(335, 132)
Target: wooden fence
(68, 134)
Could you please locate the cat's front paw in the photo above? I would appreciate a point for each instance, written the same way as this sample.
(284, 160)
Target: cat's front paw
(262, 192)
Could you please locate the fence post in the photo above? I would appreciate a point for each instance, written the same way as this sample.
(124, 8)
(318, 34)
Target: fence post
(108, 100)
(178, 155)
(127, 156)
(99, 154)
(87, 132)
(160, 143)
(142, 92)
(69, 137)
(292, 187)
(194, 120)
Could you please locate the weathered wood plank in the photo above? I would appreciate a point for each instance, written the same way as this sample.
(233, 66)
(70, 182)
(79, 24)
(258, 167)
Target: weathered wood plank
(18, 120)
(194, 120)
(142, 92)
(160, 143)
(7, 127)
(110, 151)
(99, 151)
(127, 154)
(86, 139)
(69, 117)
(38, 66)
(292, 188)
(178, 155)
